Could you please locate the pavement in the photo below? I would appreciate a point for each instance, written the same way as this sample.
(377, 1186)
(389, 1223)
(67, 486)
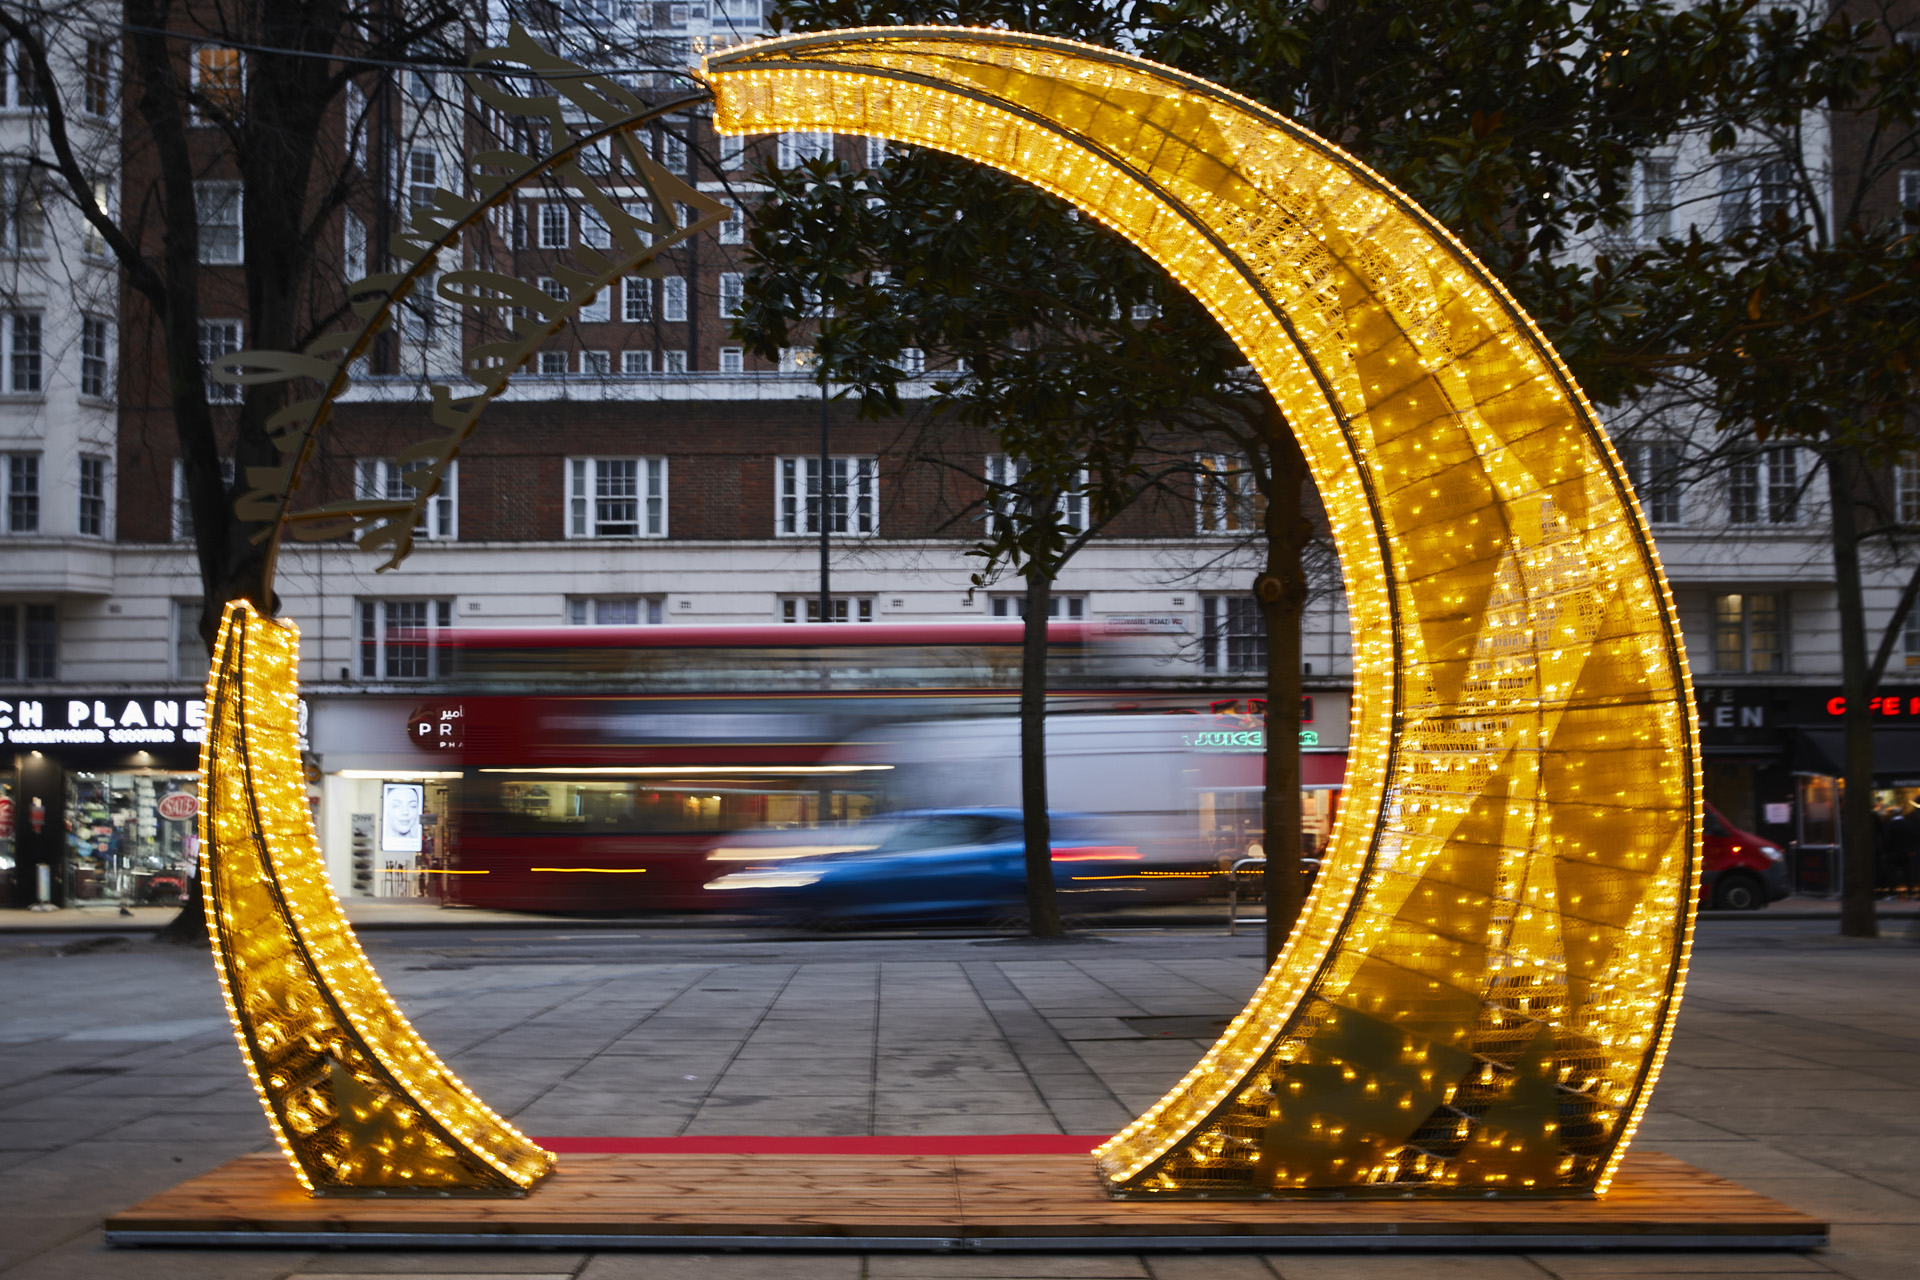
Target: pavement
(376, 914)
(1795, 1070)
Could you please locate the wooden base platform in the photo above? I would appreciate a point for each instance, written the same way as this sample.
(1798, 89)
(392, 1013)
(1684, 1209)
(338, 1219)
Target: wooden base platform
(879, 1200)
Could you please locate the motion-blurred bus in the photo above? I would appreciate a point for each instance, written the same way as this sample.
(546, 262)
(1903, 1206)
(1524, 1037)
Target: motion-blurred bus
(598, 763)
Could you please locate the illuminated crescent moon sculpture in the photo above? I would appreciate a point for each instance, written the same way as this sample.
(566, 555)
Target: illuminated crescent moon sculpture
(1482, 985)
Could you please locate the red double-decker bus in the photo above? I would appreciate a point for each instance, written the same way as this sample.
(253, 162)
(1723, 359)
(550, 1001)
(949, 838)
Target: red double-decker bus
(598, 764)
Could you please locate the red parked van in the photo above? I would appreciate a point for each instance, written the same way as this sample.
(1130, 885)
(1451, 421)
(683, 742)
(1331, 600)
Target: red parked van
(1742, 871)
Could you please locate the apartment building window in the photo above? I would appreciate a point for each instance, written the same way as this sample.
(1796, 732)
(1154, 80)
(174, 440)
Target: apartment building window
(845, 609)
(221, 237)
(734, 229)
(733, 294)
(1764, 487)
(396, 637)
(553, 364)
(797, 149)
(635, 363)
(673, 299)
(733, 360)
(1655, 468)
(23, 353)
(733, 152)
(594, 232)
(96, 78)
(553, 226)
(1059, 608)
(1228, 500)
(183, 504)
(1653, 201)
(1754, 190)
(637, 300)
(1906, 490)
(616, 497)
(384, 478)
(354, 246)
(96, 353)
(1750, 633)
(673, 362)
(29, 642)
(354, 121)
(673, 152)
(1910, 190)
(26, 212)
(1004, 472)
(28, 92)
(183, 507)
(219, 338)
(92, 243)
(615, 611)
(797, 359)
(422, 80)
(876, 152)
(189, 650)
(219, 78)
(423, 179)
(597, 309)
(93, 496)
(851, 488)
(641, 211)
(596, 363)
(1233, 634)
(23, 492)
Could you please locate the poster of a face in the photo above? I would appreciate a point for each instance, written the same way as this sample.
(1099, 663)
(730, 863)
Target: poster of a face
(400, 805)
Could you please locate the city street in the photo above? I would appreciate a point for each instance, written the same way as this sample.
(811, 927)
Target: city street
(1796, 1070)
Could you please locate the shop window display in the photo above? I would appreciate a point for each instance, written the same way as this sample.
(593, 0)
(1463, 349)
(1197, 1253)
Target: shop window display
(131, 837)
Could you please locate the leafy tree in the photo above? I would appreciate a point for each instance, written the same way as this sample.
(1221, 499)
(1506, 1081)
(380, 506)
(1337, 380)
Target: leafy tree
(1800, 322)
(249, 94)
(1518, 123)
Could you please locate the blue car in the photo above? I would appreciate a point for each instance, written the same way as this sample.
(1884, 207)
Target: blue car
(949, 866)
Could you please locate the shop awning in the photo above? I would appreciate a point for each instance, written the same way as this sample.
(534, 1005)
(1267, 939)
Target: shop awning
(1896, 754)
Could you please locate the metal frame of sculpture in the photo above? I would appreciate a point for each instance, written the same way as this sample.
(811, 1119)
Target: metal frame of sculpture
(1481, 988)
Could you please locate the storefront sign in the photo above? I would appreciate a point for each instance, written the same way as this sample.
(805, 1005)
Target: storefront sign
(437, 726)
(179, 806)
(140, 720)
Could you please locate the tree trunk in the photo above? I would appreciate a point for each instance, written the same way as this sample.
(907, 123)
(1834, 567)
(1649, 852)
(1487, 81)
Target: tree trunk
(1282, 593)
(1043, 908)
(1857, 832)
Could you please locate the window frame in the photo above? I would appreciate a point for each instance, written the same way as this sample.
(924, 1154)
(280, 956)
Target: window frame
(649, 610)
(1741, 631)
(1656, 480)
(24, 492)
(855, 609)
(380, 479)
(797, 493)
(1228, 642)
(1001, 472)
(25, 338)
(373, 632)
(673, 299)
(197, 79)
(17, 642)
(584, 512)
(1755, 502)
(91, 519)
(220, 392)
(235, 195)
(96, 367)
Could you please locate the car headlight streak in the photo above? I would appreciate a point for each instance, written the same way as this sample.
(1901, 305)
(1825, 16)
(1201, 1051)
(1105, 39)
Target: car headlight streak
(1480, 989)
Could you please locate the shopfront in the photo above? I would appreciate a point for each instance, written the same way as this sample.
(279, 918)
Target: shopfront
(1774, 759)
(99, 797)
(385, 822)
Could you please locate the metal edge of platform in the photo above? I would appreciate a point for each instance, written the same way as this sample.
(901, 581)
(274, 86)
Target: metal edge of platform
(1371, 1242)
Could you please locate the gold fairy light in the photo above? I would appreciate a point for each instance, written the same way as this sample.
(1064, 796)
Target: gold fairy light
(1508, 900)
(356, 1100)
